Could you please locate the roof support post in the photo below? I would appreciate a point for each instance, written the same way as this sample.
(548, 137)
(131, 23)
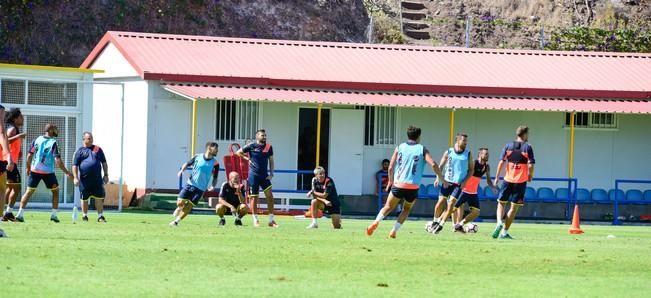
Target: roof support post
(194, 127)
(451, 142)
(570, 164)
(318, 134)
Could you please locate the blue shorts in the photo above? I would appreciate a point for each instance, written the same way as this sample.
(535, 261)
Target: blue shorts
(512, 192)
(257, 183)
(92, 191)
(50, 180)
(471, 199)
(191, 194)
(408, 195)
(453, 190)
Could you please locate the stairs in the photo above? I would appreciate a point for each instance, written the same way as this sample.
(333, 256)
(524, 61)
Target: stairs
(413, 19)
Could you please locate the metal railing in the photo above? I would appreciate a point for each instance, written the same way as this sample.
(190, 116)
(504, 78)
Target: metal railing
(616, 220)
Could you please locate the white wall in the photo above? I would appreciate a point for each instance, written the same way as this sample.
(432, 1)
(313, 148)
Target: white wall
(106, 129)
(113, 64)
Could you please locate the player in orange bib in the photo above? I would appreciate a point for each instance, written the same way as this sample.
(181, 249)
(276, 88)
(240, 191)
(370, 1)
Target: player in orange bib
(519, 160)
(469, 193)
(14, 182)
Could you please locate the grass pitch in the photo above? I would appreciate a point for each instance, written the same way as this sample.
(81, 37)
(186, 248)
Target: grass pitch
(140, 255)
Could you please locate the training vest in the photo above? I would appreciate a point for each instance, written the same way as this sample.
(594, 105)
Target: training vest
(409, 166)
(456, 169)
(473, 182)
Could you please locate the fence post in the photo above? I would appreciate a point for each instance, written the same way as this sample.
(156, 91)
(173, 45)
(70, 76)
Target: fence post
(379, 191)
(616, 220)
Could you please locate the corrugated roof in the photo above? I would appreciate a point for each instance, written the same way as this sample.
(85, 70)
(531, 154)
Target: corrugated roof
(382, 67)
(350, 97)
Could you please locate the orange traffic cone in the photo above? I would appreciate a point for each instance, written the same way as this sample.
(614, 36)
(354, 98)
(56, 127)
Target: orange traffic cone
(576, 222)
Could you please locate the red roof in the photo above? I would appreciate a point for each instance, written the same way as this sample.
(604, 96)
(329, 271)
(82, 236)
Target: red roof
(382, 67)
(303, 95)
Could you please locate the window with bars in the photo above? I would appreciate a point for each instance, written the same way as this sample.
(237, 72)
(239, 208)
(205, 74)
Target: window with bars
(592, 120)
(379, 125)
(38, 93)
(236, 120)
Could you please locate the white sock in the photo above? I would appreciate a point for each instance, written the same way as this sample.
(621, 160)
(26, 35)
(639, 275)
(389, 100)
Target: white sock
(221, 217)
(9, 209)
(54, 212)
(396, 226)
(176, 211)
(271, 217)
(20, 212)
(505, 231)
(255, 218)
(436, 220)
(100, 214)
(499, 222)
(85, 214)
(314, 220)
(379, 217)
(178, 219)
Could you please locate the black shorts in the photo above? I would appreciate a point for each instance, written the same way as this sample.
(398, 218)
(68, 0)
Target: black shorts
(50, 180)
(471, 199)
(453, 190)
(191, 194)
(92, 192)
(257, 183)
(409, 195)
(3, 166)
(512, 192)
(235, 203)
(334, 208)
(13, 177)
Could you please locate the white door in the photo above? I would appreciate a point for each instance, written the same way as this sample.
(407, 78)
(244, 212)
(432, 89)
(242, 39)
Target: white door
(172, 128)
(346, 150)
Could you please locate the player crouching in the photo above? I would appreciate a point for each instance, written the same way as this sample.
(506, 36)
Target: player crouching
(325, 198)
(231, 197)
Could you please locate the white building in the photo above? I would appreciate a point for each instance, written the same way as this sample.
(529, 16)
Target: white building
(369, 95)
(46, 94)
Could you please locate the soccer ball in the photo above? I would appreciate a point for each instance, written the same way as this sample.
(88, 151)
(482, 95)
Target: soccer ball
(429, 226)
(472, 228)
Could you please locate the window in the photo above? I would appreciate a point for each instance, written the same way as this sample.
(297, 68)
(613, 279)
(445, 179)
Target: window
(379, 125)
(236, 120)
(592, 120)
(39, 93)
(13, 91)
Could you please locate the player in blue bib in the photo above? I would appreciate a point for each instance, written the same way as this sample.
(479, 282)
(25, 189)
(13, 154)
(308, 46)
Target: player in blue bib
(204, 168)
(43, 157)
(458, 168)
(405, 173)
(261, 171)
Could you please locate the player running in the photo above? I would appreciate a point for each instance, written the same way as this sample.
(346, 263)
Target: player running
(324, 194)
(231, 197)
(204, 167)
(520, 161)
(405, 173)
(458, 169)
(261, 171)
(469, 194)
(43, 156)
(14, 182)
(89, 161)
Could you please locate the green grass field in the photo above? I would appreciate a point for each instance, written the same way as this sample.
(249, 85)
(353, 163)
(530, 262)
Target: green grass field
(139, 255)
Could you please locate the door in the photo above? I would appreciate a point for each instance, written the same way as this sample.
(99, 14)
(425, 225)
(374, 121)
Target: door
(307, 144)
(346, 150)
(172, 128)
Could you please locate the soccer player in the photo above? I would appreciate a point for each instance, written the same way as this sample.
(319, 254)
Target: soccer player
(519, 159)
(458, 169)
(469, 193)
(405, 172)
(204, 167)
(324, 194)
(6, 163)
(261, 171)
(43, 156)
(87, 169)
(14, 120)
(231, 197)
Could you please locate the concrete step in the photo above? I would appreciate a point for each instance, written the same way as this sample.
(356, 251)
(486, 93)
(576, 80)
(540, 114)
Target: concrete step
(414, 14)
(417, 34)
(416, 25)
(413, 4)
